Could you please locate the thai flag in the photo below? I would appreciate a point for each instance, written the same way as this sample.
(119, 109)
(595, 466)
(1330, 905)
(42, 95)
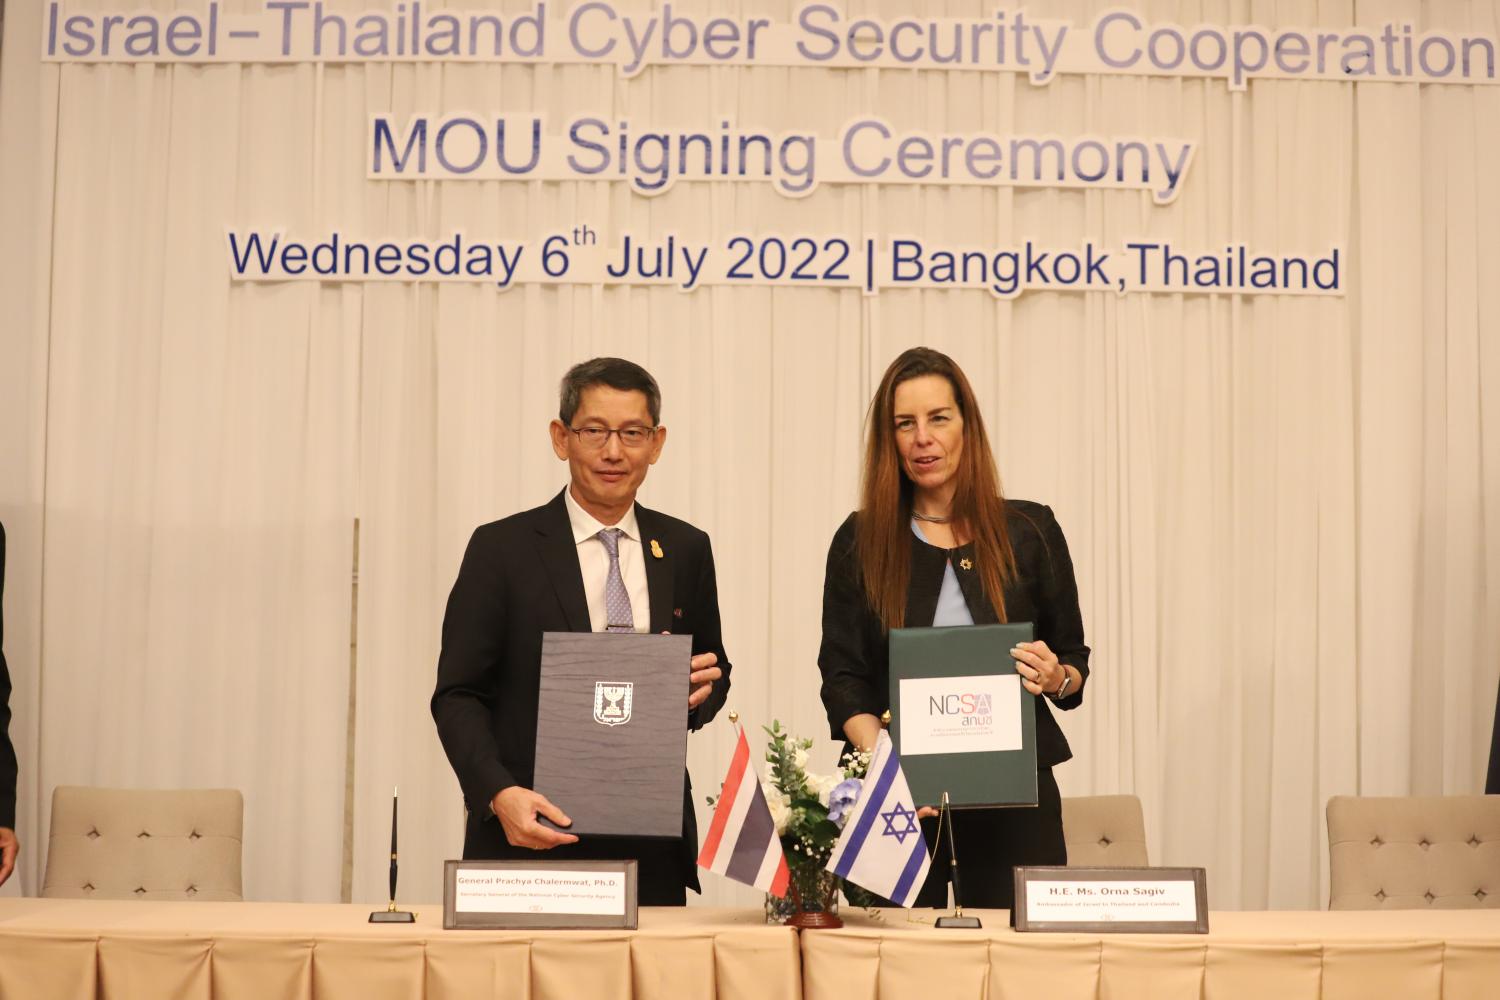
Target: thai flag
(881, 848)
(741, 843)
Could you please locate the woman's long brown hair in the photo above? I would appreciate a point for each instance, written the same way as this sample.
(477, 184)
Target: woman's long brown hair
(883, 529)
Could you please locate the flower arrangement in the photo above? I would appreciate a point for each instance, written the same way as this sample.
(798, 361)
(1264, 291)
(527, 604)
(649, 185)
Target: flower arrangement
(810, 811)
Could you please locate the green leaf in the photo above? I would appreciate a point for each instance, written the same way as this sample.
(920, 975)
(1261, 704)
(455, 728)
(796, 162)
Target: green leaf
(825, 833)
(860, 897)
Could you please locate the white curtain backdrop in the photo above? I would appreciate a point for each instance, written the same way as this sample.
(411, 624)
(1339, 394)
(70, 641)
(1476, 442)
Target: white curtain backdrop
(1282, 510)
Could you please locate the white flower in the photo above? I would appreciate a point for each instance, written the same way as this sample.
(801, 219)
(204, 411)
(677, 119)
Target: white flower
(823, 784)
(780, 805)
(799, 757)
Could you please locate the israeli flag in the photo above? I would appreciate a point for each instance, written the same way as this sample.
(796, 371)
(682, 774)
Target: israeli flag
(881, 848)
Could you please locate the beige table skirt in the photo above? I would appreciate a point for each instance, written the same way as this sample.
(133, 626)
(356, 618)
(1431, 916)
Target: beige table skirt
(52, 949)
(1385, 955)
(95, 950)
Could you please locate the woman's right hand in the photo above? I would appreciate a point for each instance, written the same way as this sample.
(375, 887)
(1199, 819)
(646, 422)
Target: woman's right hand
(863, 731)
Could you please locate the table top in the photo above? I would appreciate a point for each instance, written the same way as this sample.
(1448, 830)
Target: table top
(72, 917)
(323, 920)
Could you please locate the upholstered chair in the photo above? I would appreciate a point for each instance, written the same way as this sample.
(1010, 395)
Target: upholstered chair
(1440, 852)
(1107, 830)
(117, 843)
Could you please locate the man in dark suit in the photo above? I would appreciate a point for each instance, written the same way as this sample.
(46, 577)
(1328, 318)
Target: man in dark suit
(591, 560)
(9, 846)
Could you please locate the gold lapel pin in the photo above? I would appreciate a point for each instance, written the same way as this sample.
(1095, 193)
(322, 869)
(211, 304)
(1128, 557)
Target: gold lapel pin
(965, 564)
(656, 549)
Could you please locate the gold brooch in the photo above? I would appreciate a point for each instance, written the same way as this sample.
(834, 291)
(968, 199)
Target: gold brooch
(656, 549)
(965, 564)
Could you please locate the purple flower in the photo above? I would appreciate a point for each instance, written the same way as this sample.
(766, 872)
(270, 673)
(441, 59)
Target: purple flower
(842, 798)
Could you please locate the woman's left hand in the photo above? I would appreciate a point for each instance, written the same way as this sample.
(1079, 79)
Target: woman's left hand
(1040, 672)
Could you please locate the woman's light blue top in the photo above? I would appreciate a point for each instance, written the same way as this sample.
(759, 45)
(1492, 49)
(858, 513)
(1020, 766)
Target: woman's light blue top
(951, 608)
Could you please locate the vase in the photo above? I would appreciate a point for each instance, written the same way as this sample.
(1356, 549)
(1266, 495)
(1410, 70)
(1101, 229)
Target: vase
(779, 909)
(811, 902)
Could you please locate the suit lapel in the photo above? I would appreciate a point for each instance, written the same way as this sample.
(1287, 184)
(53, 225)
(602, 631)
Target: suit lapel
(972, 585)
(659, 569)
(926, 581)
(560, 557)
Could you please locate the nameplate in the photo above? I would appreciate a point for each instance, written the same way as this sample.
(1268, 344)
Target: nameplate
(537, 895)
(1112, 900)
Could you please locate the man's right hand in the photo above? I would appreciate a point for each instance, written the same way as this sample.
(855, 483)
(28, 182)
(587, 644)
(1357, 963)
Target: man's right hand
(517, 809)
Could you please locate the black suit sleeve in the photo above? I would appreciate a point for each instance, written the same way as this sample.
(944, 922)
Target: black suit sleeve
(8, 768)
(473, 646)
(850, 656)
(1059, 621)
(708, 638)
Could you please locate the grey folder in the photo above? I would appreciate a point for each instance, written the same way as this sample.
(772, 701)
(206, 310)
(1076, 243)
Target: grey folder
(989, 778)
(611, 730)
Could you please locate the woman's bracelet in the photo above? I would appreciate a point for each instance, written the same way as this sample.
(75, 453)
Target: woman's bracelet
(1062, 688)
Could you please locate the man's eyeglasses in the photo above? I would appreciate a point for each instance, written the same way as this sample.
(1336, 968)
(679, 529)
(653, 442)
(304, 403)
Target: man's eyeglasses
(594, 438)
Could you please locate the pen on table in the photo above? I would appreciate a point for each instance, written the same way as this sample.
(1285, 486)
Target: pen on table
(394, 793)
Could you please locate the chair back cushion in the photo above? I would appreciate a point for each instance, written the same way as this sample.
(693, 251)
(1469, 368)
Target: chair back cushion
(1108, 830)
(118, 843)
(1407, 853)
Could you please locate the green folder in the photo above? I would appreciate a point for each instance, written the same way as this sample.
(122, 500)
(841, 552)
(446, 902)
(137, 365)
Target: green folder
(965, 725)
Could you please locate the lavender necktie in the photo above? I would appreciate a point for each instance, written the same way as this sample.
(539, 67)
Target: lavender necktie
(617, 613)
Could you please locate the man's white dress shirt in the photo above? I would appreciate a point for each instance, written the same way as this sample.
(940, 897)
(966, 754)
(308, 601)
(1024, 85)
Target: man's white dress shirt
(593, 560)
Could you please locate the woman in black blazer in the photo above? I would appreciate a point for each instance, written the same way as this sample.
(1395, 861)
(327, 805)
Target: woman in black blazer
(935, 543)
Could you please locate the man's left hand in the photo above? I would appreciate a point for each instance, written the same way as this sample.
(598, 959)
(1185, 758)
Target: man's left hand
(9, 848)
(703, 671)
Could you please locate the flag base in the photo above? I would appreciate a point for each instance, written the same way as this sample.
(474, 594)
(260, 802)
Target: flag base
(814, 920)
(959, 922)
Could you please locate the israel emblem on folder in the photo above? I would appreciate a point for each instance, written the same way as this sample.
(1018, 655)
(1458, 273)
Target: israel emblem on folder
(612, 702)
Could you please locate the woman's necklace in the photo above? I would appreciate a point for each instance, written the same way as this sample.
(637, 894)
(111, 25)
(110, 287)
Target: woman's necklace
(931, 518)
